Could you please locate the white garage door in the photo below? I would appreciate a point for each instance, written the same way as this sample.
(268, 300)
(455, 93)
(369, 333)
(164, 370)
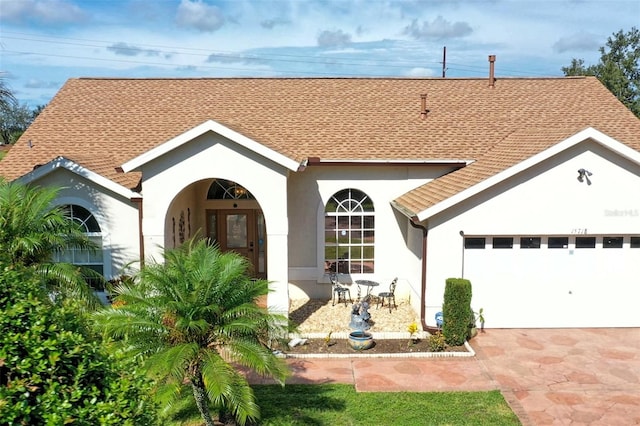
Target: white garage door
(555, 281)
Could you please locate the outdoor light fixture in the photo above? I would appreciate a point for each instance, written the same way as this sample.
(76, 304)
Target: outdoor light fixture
(583, 175)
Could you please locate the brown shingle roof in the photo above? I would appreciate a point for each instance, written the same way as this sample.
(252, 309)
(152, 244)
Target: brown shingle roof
(103, 123)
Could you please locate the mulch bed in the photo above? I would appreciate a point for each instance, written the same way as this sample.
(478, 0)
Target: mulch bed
(380, 346)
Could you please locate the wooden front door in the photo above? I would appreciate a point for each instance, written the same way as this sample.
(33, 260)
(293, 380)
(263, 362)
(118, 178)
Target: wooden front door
(243, 232)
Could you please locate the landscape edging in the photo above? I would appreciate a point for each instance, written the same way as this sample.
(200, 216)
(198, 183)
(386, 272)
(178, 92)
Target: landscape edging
(379, 335)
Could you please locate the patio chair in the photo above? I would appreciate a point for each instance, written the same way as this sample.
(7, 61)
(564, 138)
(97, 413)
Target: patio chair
(389, 296)
(338, 291)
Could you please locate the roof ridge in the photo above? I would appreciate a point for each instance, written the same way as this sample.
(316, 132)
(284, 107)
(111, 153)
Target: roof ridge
(302, 78)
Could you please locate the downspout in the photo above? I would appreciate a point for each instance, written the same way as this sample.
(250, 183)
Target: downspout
(138, 201)
(423, 282)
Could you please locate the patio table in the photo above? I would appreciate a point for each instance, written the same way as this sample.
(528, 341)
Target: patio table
(369, 284)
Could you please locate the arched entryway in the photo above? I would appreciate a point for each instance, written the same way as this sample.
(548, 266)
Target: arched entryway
(234, 227)
(224, 212)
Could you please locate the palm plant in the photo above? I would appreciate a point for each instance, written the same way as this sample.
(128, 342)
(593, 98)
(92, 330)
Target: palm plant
(194, 318)
(7, 98)
(32, 230)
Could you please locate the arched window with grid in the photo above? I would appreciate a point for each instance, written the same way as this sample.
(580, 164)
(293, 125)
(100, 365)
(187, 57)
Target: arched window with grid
(349, 233)
(91, 259)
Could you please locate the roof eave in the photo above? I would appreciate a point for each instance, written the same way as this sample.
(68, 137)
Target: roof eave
(73, 167)
(208, 126)
(317, 161)
(588, 133)
(404, 210)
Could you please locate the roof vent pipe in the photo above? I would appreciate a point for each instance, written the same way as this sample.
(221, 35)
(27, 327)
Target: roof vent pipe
(423, 106)
(492, 78)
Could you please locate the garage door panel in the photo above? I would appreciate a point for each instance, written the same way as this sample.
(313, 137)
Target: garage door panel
(545, 287)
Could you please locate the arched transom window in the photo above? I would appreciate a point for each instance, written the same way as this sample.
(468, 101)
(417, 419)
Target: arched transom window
(91, 259)
(222, 189)
(349, 233)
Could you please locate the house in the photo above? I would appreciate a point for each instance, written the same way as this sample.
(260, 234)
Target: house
(528, 187)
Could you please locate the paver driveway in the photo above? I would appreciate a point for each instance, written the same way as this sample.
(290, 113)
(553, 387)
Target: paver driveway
(566, 376)
(548, 376)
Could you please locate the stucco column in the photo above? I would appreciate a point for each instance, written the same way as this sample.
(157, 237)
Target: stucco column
(277, 265)
(153, 226)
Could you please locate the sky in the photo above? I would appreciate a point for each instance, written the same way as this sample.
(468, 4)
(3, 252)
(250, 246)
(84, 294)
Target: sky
(45, 42)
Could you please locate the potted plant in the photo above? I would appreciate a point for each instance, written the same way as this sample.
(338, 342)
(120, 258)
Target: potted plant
(475, 318)
(480, 318)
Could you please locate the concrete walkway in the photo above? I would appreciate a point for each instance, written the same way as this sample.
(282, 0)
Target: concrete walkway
(548, 376)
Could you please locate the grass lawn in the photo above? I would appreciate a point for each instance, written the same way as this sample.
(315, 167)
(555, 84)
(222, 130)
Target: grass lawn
(341, 405)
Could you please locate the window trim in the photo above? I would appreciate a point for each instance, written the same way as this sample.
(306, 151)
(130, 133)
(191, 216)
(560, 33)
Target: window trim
(608, 239)
(586, 242)
(502, 243)
(534, 243)
(470, 243)
(559, 238)
(74, 253)
(351, 214)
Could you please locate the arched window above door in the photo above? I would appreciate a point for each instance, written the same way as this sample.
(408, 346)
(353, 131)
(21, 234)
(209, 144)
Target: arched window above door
(222, 189)
(349, 233)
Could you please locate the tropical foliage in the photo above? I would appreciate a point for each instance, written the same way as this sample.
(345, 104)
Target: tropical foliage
(7, 99)
(15, 119)
(618, 69)
(32, 230)
(194, 318)
(53, 371)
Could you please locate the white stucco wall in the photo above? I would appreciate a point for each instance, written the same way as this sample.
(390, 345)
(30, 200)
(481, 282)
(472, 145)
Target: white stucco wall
(212, 156)
(397, 244)
(183, 208)
(117, 217)
(546, 287)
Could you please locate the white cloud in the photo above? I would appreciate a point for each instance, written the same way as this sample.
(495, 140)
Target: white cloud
(272, 23)
(39, 84)
(333, 38)
(126, 49)
(199, 15)
(438, 29)
(420, 72)
(42, 11)
(235, 59)
(582, 41)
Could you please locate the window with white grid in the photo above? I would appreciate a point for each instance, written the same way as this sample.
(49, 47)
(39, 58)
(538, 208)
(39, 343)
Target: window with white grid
(349, 233)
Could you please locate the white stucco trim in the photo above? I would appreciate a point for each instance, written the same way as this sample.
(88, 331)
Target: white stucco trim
(209, 126)
(76, 168)
(394, 162)
(584, 135)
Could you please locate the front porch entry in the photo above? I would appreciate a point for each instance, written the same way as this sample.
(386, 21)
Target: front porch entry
(226, 214)
(241, 231)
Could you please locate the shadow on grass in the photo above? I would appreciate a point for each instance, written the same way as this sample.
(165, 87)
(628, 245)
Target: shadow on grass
(183, 412)
(291, 405)
(297, 404)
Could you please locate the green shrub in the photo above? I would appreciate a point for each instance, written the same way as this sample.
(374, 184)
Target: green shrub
(437, 342)
(52, 372)
(457, 310)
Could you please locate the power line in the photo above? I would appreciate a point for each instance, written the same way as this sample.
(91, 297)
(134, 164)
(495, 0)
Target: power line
(253, 70)
(142, 47)
(242, 57)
